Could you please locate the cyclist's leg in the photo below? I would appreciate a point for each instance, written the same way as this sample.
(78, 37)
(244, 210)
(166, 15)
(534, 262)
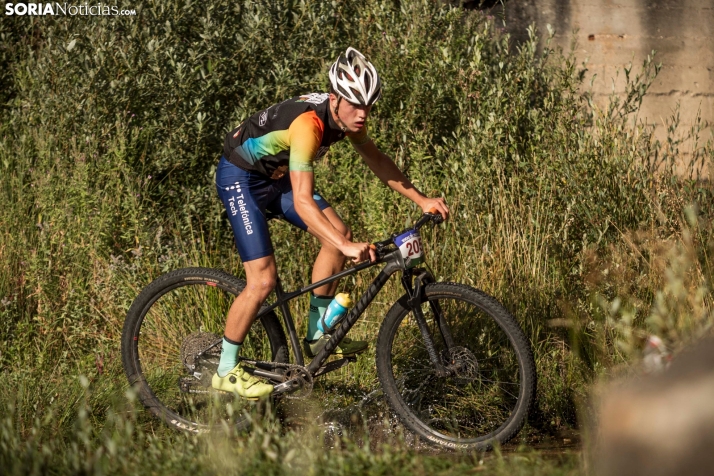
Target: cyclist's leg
(329, 261)
(244, 195)
(261, 276)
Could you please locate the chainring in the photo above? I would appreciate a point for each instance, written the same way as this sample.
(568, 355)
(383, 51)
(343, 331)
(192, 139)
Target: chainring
(303, 378)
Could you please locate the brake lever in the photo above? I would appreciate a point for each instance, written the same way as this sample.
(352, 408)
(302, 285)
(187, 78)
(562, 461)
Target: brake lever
(436, 217)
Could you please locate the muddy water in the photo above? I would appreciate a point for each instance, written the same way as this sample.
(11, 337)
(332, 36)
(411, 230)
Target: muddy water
(368, 419)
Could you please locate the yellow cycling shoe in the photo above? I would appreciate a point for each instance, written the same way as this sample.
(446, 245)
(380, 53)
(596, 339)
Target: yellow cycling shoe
(346, 347)
(241, 382)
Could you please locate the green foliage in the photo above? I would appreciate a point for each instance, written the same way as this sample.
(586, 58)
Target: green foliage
(111, 128)
(121, 443)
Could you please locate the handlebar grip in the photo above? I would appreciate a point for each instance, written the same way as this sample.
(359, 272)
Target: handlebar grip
(438, 218)
(373, 246)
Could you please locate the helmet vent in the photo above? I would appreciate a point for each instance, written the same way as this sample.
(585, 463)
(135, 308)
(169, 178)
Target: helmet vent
(358, 95)
(355, 79)
(342, 91)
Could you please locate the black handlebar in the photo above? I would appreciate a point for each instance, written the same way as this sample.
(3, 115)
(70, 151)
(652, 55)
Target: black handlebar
(436, 218)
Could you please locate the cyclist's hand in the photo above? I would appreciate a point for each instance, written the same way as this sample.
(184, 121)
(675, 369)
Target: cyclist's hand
(358, 252)
(435, 203)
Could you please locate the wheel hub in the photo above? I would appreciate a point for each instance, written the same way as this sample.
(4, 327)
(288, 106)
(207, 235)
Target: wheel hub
(462, 364)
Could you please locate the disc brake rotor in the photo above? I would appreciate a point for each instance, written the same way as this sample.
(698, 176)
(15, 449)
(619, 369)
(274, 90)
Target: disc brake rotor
(463, 363)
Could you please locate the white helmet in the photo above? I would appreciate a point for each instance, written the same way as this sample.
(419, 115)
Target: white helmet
(355, 79)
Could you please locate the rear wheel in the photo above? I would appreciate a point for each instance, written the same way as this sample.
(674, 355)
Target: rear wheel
(487, 397)
(171, 346)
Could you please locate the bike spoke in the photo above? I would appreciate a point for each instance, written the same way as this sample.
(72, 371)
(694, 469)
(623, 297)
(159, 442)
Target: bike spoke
(467, 407)
(194, 316)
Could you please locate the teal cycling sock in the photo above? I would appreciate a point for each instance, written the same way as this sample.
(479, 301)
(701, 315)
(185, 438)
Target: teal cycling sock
(229, 356)
(318, 306)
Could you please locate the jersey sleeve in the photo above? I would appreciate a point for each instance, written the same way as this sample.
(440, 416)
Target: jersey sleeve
(360, 137)
(305, 135)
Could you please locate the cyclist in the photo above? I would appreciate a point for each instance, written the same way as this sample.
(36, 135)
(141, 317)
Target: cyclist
(267, 169)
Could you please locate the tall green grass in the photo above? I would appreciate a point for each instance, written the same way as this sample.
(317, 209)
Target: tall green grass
(111, 129)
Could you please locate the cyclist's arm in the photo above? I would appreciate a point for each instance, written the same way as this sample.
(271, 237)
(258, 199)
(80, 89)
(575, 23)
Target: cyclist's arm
(303, 185)
(318, 224)
(305, 134)
(384, 167)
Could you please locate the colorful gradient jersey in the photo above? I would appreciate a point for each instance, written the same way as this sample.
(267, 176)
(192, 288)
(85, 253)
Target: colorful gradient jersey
(286, 136)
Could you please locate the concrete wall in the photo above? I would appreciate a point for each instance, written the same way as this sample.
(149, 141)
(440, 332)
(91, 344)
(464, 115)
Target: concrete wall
(611, 33)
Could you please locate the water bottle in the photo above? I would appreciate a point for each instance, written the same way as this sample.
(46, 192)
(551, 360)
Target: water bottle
(335, 311)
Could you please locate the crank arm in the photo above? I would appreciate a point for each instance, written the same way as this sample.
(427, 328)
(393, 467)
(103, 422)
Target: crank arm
(263, 369)
(286, 387)
(273, 376)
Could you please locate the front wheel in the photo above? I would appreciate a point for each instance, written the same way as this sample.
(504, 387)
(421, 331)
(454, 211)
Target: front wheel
(491, 388)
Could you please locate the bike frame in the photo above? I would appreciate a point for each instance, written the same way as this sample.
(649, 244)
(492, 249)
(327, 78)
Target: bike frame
(394, 263)
(413, 280)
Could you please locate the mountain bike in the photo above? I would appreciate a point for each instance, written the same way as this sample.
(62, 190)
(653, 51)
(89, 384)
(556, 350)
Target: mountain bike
(453, 363)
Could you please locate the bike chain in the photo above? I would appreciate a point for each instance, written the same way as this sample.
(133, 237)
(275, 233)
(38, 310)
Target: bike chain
(292, 372)
(209, 343)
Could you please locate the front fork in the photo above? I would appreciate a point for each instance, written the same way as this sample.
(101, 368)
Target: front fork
(416, 295)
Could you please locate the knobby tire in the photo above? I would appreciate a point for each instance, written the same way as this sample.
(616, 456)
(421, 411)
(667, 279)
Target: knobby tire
(487, 402)
(176, 305)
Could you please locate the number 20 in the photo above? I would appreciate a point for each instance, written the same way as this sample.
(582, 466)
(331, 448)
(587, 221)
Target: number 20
(413, 247)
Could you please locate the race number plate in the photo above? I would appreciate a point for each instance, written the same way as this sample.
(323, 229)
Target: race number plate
(409, 245)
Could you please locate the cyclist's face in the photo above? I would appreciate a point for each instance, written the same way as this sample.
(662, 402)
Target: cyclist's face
(350, 115)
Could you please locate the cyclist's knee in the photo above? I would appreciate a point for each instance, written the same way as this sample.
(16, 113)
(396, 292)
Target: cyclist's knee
(261, 286)
(343, 229)
(337, 222)
(261, 276)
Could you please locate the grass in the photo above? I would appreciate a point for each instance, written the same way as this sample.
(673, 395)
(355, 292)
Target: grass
(123, 443)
